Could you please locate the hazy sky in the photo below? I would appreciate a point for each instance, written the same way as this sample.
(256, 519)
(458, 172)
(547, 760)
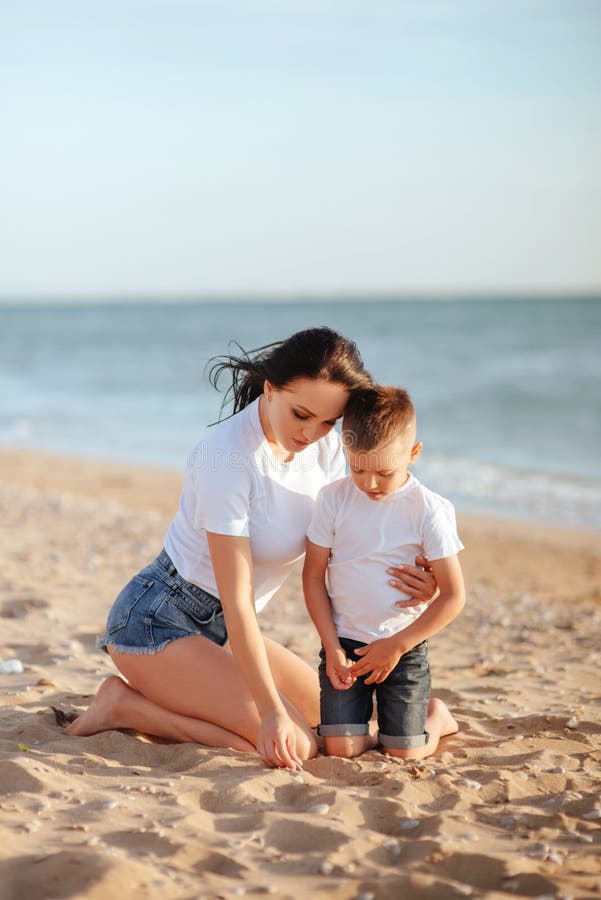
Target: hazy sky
(190, 146)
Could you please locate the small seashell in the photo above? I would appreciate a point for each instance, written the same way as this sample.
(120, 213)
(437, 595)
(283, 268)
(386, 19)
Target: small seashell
(464, 889)
(557, 770)
(326, 868)
(92, 841)
(392, 845)
(34, 825)
(366, 895)
(572, 723)
(11, 667)
(319, 809)
(410, 823)
(470, 783)
(592, 814)
(108, 804)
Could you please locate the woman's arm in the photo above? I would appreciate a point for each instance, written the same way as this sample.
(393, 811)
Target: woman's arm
(417, 581)
(232, 564)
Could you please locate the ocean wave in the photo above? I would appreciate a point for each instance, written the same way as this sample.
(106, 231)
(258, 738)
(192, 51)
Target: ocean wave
(520, 493)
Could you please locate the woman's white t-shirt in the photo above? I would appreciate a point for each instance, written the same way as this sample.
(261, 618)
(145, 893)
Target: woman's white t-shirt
(235, 485)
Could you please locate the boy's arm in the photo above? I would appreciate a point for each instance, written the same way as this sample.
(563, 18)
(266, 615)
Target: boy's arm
(381, 656)
(319, 607)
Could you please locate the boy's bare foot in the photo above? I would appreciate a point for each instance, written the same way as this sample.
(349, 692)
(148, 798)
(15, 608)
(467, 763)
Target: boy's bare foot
(439, 709)
(102, 714)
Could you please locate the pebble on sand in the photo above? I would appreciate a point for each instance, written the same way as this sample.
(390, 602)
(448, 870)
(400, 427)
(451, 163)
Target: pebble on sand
(11, 667)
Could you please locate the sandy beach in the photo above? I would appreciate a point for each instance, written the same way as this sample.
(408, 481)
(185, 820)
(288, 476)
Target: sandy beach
(509, 807)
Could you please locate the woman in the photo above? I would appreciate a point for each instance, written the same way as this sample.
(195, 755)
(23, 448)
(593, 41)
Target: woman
(246, 502)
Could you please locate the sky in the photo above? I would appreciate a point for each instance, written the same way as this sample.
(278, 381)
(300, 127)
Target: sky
(282, 147)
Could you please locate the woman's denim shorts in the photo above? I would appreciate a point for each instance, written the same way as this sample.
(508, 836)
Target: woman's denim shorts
(159, 606)
(402, 700)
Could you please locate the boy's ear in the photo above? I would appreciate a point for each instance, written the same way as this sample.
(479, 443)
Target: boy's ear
(267, 389)
(415, 452)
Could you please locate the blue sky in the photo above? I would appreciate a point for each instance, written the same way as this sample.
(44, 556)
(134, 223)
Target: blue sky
(195, 147)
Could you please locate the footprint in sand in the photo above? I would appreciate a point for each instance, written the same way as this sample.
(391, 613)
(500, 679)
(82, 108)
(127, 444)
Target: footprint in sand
(19, 608)
(71, 873)
(14, 779)
(144, 843)
(296, 836)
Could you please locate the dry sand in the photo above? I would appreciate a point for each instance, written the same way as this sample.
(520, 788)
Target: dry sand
(510, 807)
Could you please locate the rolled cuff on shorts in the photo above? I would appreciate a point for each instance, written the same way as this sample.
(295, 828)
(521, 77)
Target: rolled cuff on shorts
(341, 730)
(400, 742)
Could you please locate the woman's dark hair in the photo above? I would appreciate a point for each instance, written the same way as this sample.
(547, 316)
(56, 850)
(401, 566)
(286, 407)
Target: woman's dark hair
(313, 353)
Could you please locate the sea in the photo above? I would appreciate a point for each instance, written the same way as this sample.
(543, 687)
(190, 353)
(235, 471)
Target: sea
(508, 391)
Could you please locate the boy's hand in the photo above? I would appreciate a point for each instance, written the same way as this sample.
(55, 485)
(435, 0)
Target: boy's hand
(338, 668)
(379, 658)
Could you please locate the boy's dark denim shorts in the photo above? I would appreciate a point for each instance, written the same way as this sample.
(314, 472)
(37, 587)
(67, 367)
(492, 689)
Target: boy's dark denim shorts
(402, 700)
(159, 606)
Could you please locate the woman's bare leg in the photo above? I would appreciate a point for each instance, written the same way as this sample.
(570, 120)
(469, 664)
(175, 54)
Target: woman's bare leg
(295, 679)
(194, 679)
(117, 705)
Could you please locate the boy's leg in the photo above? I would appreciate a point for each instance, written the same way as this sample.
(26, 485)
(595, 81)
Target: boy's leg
(439, 723)
(410, 723)
(345, 714)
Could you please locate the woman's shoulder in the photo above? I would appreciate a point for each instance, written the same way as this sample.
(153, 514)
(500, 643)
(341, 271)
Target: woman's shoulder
(230, 442)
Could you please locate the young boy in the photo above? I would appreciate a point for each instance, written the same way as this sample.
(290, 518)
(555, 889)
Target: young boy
(377, 517)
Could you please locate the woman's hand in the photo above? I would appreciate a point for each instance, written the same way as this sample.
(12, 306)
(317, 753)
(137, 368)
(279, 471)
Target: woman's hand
(417, 581)
(276, 741)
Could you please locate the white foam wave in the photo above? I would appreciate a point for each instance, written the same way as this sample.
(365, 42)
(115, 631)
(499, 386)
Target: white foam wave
(540, 496)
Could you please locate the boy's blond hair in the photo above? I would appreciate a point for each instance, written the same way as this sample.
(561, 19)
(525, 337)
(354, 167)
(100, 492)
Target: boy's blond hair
(375, 416)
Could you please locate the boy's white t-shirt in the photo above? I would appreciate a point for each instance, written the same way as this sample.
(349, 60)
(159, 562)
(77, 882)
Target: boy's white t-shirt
(234, 485)
(367, 537)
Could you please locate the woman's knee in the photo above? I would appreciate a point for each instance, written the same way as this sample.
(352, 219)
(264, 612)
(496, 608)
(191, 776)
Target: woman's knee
(306, 744)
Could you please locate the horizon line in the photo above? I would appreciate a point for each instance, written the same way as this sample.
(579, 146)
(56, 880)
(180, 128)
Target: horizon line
(288, 297)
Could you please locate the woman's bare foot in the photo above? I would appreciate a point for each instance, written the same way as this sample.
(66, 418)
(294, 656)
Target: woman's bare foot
(103, 712)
